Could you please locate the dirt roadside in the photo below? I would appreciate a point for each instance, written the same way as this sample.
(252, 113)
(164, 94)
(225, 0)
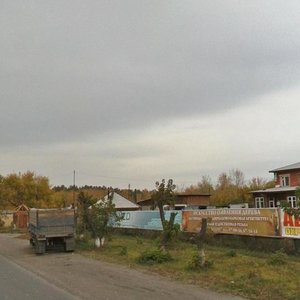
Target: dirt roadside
(89, 279)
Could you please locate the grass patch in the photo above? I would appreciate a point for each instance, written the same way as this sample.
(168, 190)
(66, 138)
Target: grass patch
(123, 251)
(278, 258)
(194, 263)
(255, 275)
(231, 253)
(85, 245)
(154, 256)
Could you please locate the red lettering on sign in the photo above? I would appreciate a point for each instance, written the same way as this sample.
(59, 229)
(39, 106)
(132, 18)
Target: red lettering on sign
(297, 222)
(288, 220)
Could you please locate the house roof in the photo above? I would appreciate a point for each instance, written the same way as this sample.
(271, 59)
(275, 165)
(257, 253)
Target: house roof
(180, 195)
(120, 202)
(277, 189)
(192, 194)
(177, 195)
(286, 168)
(144, 200)
(22, 207)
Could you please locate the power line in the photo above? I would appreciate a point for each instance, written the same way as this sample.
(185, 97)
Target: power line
(125, 179)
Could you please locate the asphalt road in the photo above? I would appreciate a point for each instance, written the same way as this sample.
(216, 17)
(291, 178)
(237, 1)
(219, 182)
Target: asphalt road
(18, 284)
(24, 275)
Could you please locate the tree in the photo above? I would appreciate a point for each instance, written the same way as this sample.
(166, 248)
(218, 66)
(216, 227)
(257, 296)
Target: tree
(164, 195)
(85, 201)
(103, 215)
(237, 178)
(258, 183)
(293, 211)
(26, 188)
(204, 186)
(231, 188)
(200, 241)
(97, 216)
(298, 194)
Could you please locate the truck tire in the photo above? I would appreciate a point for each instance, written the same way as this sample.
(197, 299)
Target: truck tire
(40, 247)
(69, 244)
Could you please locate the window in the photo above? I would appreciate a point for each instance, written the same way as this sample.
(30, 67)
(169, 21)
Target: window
(259, 202)
(285, 180)
(272, 202)
(292, 201)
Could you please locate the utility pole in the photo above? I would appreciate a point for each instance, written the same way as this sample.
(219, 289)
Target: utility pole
(74, 204)
(74, 200)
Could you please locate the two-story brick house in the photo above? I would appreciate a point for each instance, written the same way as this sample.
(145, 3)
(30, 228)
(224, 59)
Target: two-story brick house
(287, 180)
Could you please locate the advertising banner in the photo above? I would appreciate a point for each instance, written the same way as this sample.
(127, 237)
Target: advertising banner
(290, 225)
(146, 219)
(244, 221)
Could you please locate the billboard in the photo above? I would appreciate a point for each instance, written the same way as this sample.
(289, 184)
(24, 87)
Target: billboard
(244, 221)
(146, 219)
(290, 225)
(265, 222)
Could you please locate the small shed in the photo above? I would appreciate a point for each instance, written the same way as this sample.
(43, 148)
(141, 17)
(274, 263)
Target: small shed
(20, 217)
(194, 200)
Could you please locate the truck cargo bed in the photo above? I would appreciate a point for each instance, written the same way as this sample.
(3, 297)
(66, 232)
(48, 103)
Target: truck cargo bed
(49, 226)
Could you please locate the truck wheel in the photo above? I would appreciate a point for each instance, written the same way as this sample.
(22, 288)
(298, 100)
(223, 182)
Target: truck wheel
(69, 244)
(40, 247)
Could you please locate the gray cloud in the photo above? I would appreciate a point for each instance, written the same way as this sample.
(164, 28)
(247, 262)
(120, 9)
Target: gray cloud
(71, 69)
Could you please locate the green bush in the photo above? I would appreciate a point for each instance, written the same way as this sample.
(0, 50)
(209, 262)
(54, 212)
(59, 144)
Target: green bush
(277, 258)
(252, 275)
(123, 251)
(85, 244)
(231, 253)
(156, 256)
(139, 241)
(194, 263)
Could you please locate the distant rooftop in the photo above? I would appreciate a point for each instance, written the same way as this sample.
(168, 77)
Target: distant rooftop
(276, 190)
(193, 194)
(120, 202)
(288, 167)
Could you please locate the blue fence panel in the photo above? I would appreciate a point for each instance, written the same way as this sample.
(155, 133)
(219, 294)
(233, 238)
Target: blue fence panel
(146, 219)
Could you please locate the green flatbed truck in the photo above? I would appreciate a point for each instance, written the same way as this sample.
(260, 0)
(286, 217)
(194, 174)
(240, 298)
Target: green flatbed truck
(52, 229)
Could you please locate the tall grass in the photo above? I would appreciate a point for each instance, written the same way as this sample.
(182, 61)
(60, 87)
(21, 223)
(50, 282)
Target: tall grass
(253, 274)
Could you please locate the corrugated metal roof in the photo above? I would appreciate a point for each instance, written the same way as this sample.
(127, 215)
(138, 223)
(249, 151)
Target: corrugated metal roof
(286, 168)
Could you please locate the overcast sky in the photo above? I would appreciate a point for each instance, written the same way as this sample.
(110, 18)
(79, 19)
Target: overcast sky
(133, 91)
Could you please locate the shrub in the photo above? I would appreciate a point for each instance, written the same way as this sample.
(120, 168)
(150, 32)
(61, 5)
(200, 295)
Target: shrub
(253, 275)
(151, 257)
(85, 244)
(123, 251)
(139, 241)
(277, 258)
(231, 253)
(194, 263)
